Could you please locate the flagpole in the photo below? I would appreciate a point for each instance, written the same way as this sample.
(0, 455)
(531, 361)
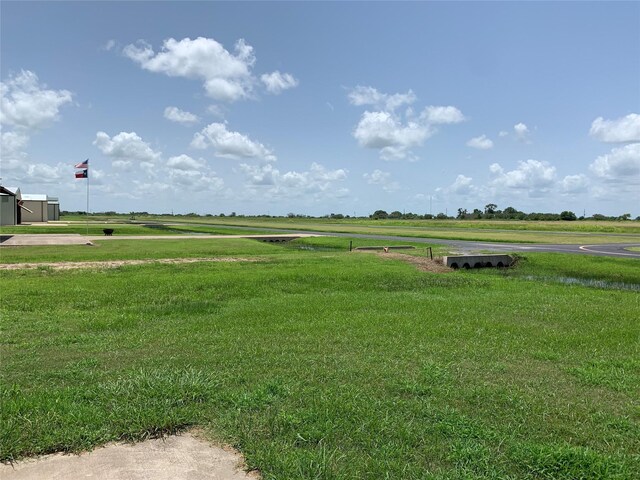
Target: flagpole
(87, 202)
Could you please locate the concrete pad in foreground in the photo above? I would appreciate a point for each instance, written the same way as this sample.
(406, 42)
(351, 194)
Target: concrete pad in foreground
(14, 240)
(182, 457)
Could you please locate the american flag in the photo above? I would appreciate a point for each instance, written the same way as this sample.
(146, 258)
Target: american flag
(84, 164)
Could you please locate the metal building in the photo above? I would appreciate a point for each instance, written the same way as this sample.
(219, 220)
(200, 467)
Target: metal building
(8, 207)
(35, 207)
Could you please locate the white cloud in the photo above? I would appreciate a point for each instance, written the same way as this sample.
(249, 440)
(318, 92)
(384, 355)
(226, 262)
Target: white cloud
(370, 96)
(183, 162)
(439, 115)
(180, 116)
(532, 175)
(625, 129)
(620, 165)
(277, 82)
(230, 144)
(481, 143)
(317, 181)
(462, 185)
(196, 181)
(126, 148)
(572, 184)
(27, 104)
(521, 131)
(502, 133)
(226, 76)
(378, 177)
(395, 134)
(384, 131)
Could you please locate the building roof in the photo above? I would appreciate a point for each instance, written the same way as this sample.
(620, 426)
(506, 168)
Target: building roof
(34, 197)
(6, 191)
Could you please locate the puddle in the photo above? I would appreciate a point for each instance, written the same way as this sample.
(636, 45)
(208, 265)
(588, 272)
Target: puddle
(587, 282)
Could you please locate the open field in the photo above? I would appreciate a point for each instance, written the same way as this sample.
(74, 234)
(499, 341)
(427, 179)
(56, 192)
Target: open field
(320, 363)
(583, 232)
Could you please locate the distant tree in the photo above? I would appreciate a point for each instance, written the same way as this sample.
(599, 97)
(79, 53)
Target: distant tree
(477, 213)
(568, 216)
(395, 214)
(490, 208)
(625, 216)
(442, 216)
(462, 213)
(379, 214)
(233, 214)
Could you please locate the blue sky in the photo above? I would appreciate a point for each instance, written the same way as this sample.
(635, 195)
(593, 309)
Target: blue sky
(317, 108)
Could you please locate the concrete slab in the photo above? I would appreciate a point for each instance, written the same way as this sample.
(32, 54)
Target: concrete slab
(183, 457)
(11, 240)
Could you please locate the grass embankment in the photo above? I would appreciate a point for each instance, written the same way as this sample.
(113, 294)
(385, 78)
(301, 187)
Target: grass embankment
(325, 364)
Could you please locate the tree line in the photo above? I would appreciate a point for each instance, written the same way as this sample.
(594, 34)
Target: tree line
(491, 212)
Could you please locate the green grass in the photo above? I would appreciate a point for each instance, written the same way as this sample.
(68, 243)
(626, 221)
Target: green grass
(94, 228)
(477, 230)
(104, 250)
(325, 364)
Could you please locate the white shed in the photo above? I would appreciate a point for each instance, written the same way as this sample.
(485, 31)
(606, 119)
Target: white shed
(35, 207)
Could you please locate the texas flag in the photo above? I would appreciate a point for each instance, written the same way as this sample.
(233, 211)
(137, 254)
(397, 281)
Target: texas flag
(82, 174)
(84, 164)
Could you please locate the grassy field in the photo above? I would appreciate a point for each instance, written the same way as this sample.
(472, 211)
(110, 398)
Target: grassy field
(320, 363)
(96, 228)
(483, 230)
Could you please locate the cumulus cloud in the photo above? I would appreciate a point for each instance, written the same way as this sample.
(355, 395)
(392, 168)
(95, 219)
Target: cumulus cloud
(226, 76)
(370, 96)
(28, 104)
(521, 132)
(625, 129)
(383, 130)
(621, 165)
(195, 181)
(481, 143)
(534, 176)
(277, 82)
(180, 116)
(230, 144)
(316, 181)
(395, 134)
(572, 184)
(442, 115)
(503, 133)
(183, 162)
(127, 149)
(378, 177)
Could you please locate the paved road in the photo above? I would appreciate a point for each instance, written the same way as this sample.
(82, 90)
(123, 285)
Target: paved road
(602, 250)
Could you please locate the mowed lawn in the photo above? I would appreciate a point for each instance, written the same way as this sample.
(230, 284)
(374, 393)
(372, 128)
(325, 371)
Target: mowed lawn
(330, 364)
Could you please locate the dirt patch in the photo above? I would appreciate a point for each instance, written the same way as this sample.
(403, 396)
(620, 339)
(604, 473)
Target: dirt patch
(118, 263)
(424, 264)
(181, 457)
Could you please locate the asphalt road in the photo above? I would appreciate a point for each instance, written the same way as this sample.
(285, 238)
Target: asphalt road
(601, 250)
